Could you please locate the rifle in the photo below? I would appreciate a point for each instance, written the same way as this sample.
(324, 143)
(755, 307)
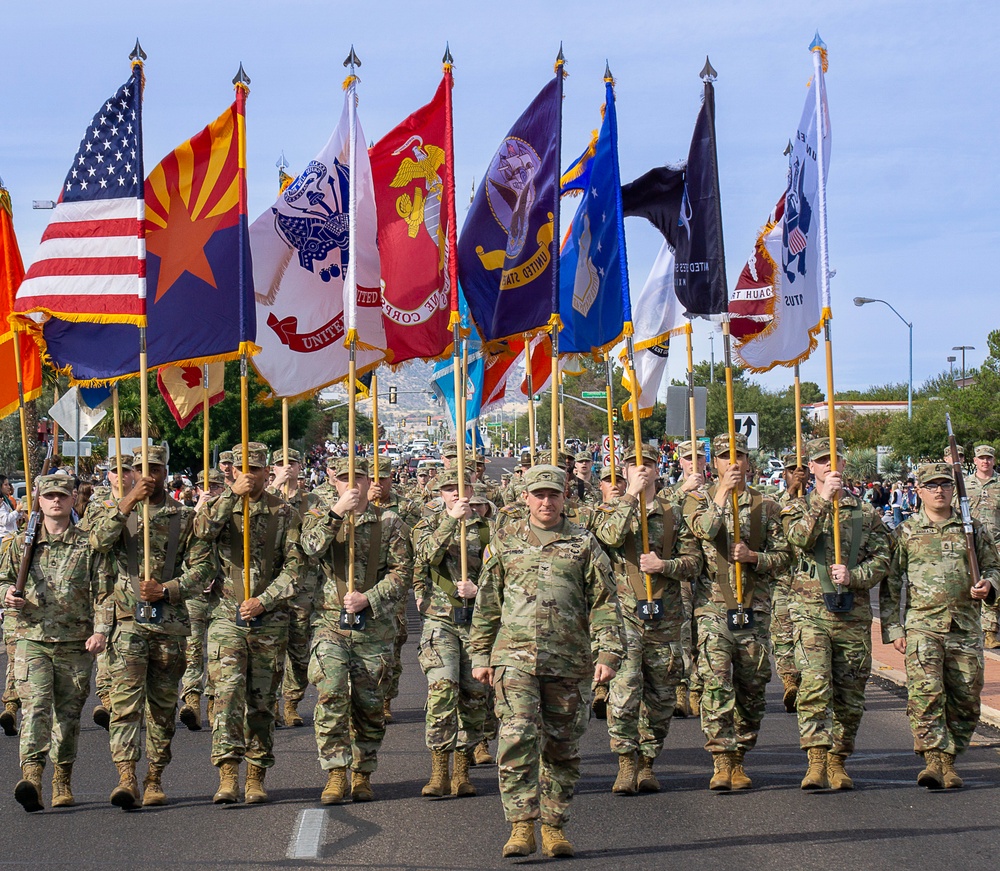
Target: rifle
(963, 502)
(31, 533)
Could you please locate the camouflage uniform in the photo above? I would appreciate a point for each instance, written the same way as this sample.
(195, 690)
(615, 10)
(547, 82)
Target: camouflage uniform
(537, 607)
(782, 632)
(349, 668)
(643, 692)
(984, 503)
(833, 650)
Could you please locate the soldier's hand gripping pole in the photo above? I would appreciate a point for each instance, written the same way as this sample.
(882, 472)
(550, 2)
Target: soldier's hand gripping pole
(963, 502)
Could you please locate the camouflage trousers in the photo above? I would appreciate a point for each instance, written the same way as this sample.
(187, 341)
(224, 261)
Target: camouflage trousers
(456, 702)
(244, 668)
(644, 691)
(944, 680)
(194, 680)
(735, 670)
(295, 679)
(782, 633)
(538, 755)
(53, 682)
(689, 638)
(990, 618)
(835, 659)
(145, 669)
(351, 675)
(9, 686)
(397, 652)
(102, 680)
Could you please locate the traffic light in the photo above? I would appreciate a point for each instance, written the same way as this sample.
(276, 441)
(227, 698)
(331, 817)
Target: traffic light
(428, 420)
(614, 415)
(392, 396)
(402, 424)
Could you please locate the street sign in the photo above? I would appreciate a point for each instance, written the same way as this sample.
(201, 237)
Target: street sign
(678, 421)
(748, 423)
(69, 449)
(74, 416)
(594, 394)
(607, 443)
(335, 429)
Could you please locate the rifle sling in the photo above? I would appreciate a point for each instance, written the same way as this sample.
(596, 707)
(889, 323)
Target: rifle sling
(722, 561)
(636, 578)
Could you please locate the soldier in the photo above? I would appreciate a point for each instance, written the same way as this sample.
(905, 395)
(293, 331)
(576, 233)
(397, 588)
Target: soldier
(61, 622)
(456, 703)
(610, 492)
(247, 637)
(226, 465)
(449, 454)
(643, 692)
(983, 489)
(193, 682)
(493, 490)
(146, 653)
(940, 633)
(583, 487)
(831, 614)
(733, 664)
(516, 486)
(350, 666)
(547, 586)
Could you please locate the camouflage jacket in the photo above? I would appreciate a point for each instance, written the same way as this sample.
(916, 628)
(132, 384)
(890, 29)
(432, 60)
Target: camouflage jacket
(494, 492)
(538, 605)
(617, 528)
(68, 586)
(805, 520)
(984, 502)
(436, 544)
(194, 566)
(585, 492)
(933, 558)
(707, 520)
(273, 576)
(407, 510)
(325, 535)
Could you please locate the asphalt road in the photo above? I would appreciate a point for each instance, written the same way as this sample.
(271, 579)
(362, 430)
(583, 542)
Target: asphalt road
(887, 823)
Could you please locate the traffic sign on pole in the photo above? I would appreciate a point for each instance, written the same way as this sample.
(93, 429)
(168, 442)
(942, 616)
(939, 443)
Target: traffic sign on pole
(748, 423)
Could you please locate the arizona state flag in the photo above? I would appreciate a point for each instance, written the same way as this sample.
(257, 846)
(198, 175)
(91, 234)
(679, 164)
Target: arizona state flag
(11, 274)
(412, 198)
(199, 287)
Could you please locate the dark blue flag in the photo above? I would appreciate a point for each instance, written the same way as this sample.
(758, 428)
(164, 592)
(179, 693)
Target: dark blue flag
(506, 253)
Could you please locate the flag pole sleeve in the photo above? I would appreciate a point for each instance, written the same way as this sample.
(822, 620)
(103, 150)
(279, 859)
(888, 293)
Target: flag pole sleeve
(205, 444)
(730, 411)
(638, 459)
(611, 417)
(692, 409)
(116, 412)
(25, 453)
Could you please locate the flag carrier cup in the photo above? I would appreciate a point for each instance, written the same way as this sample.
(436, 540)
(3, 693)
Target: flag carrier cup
(150, 612)
(252, 623)
(650, 610)
(353, 622)
(462, 616)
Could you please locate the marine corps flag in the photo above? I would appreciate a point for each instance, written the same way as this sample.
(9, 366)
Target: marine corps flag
(506, 250)
(411, 194)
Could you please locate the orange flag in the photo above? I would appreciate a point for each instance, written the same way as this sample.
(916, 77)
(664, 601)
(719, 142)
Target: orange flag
(11, 274)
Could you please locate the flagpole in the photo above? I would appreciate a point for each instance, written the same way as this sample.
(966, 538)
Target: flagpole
(25, 453)
(373, 393)
(284, 432)
(637, 437)
(555, 323)
(611, 417)
(692, 407)
(205, 446)
(531, 397)
(798, 423)
(55, 425)
(116, 412)
(731, 413)
(562, 413)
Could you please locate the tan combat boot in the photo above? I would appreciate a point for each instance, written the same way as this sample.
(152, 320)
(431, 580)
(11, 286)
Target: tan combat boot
(361, 786)
(722, 779)
(681, 709)
(932, 775)
(460, 783)
(625, 781)
(481, 755)
(102, 713)
(990, 640)
(8, 719)
(229, 784)
(645, 780)
(28, 792)
(949, 774)
(336, 786)
(253, 791)
(791, 696)
(292, 715)
(152, 787)
(816, 776)
(836, 773)
(191, 712)
(439, 785)
(600, 703)
(522, 839)
(62, 793)
(210, 712)
(387, 711)
(279, 721)
(694, 702)
(739, 778)
(554, 842)
(126, 794)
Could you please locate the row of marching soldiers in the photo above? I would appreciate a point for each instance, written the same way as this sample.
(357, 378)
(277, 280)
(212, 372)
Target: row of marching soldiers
(553, 602)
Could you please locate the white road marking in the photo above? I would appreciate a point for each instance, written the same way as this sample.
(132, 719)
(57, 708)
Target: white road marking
(308, 837)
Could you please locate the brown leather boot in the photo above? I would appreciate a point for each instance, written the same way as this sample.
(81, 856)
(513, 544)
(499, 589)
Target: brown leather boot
(102, 713)
(387, 711)
(229, 784)
(292, 715)
(28, 792)
(949, 774)
(8, 718)
(739, 778)
(210, 712)
(126, 794)
(253, 791)
(62, 792)
(836, 773)
(336, 786)
(522, 839)
(460, 783)
(481, 755)
(722, 779)
(694, 702)
(645, 780)
(990, 640)
(191, 712)
(554, 842)
(625, 781)
(361, 786)
(932, 775)
(152, 787)
(440, 783)
(816, 776)
(681, 709)
(791, 696)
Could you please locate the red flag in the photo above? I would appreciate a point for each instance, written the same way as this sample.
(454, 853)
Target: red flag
(751, 306)
(412, 197)
(182, 389)
(11, 274)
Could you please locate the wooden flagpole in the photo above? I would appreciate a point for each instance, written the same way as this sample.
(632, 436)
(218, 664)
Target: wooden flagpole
(692, 405)
(731, 414)
(798, 423)
(25, 453)
(555, 323)
(116, 412)
(611, 417)
(205, 445)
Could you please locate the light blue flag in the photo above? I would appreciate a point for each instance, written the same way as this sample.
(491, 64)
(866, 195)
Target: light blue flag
(443, 380)
(593, 288)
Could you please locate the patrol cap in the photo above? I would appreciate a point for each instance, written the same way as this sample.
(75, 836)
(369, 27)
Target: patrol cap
(384, 468)
(449, 449)
(819, 448)
(256, 455)
(342, 466)
(648, 453)
(927, 472)
(684, 449)
(789, 461)
(606, 473)
(985, 451)
(526, 459)
(126, 463)
(157, 456)
(947, 450)
(214, 477)
(449, 478)
(545, 477)
(480, 495)
(61, 484)
(565, 457)
(584, 457)
(226, 457)
(720, 445)
(278, 457)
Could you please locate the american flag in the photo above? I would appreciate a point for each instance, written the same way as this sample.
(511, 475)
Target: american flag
(796, 242)
(91, 262)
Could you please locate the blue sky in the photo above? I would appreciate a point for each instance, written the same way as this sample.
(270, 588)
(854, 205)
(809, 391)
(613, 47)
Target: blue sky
(913, 187)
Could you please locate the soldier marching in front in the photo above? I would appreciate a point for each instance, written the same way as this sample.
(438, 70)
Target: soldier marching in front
(983, 489)
(830, 610)
(940, 632)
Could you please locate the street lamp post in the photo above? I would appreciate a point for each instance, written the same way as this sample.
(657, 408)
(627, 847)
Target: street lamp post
(963, 349)
(951, 366)
(864, 300)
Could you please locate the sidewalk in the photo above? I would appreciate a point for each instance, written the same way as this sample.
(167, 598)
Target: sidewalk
(891, 665)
